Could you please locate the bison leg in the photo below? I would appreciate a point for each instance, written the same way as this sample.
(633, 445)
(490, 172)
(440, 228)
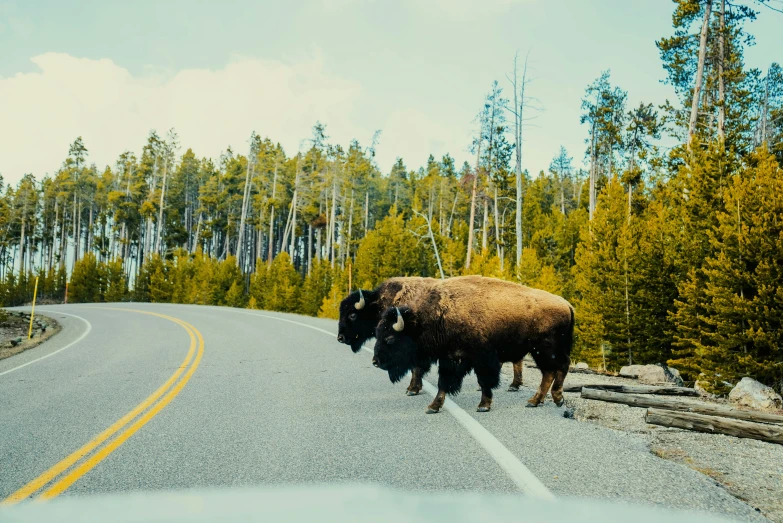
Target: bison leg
(557, 386)
(488, 374)
(437, 403)
(547, 376)
(486, 400)
(518, 368)
(415, 387)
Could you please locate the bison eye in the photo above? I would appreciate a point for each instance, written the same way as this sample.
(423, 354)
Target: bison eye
(352, 316)
(390, 339)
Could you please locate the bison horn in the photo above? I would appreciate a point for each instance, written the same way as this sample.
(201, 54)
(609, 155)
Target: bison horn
(360, 304)
(400, 323)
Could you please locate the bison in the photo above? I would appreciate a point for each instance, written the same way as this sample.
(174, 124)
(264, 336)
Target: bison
(362, 309)
(476, 324)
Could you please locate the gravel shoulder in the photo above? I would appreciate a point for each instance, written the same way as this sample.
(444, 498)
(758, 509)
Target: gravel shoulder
(750, 470)
(14, 326)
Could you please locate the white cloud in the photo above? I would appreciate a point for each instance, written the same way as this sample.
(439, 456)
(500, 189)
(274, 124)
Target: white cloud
(414, 135)
(113, 110)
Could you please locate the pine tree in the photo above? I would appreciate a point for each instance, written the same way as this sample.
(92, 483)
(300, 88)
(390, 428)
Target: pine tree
(740, 333)
(86, 281)
(316, 287)
(283, 286)
(600, 277)
(116, 285)
(160, 287)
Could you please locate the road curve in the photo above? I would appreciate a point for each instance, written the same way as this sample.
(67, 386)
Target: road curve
(262, 398)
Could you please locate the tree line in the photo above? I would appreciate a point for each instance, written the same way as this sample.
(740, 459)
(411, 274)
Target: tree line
(669, 254)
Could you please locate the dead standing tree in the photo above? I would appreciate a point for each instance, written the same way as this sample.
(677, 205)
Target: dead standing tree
(521, 102)
(431, 235)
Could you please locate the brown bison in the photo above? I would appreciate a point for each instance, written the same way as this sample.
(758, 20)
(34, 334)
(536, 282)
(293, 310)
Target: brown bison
(362, 309)
(476, 324)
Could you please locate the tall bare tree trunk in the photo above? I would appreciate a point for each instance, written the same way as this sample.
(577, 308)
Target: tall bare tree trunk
(451, 216)
(245, 200)
(593, 160)
(485, 226)
(309, 248)
(331, 222)
(75, 232)
(350, 229)
(54, 235)
(88, 243)
(22, 243)
(159, 237)
(366, 212)
(293, 210)
(271, 252)
(473, 206)
(699, 71)
(79, 229)
(498, 246)
(765, 113)
(63, 239)
(198, 231)
(721, 80)
(519, 107)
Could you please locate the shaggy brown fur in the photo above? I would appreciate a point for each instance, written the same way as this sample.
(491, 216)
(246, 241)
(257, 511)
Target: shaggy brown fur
(478, 323)
(357, 326)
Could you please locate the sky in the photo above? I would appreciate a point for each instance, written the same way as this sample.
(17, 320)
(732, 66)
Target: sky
(418, 70)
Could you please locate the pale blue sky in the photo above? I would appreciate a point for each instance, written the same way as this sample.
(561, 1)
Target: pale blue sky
(418, 70)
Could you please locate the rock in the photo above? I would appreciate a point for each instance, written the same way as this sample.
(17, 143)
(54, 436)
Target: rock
(652, 374)
(582, 365)
(751, 393)
(631, 371)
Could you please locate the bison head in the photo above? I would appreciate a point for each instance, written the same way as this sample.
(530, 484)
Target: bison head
(395, 346)
(358, 317)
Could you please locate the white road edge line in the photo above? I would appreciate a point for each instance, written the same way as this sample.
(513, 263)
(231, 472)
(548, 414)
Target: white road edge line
(74, 342)
(525, 480)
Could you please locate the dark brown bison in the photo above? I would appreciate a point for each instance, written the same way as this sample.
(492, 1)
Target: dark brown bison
(476, 324)
(362, 309)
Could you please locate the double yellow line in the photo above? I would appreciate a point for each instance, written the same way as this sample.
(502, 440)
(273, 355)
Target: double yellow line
(82, 458)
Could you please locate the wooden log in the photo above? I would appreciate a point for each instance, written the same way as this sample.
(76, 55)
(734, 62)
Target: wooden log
(715, 425)
(636, 389)
(636, 400)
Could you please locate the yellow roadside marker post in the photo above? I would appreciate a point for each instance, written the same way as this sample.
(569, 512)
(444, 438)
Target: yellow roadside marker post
(32, 313)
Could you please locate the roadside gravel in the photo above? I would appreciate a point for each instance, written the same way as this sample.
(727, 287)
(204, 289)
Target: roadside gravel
(750, 470)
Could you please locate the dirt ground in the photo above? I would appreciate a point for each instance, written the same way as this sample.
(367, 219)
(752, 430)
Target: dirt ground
(750, 470)
(14, 326)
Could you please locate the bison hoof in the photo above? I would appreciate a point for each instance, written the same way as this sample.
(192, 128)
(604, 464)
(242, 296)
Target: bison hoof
(559, 403)
(432, 410)
(531, 405)
(412, 393)
(513, 388)
(482, 409)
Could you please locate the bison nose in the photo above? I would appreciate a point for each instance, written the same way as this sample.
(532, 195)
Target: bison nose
(341, 338)
(375, 362)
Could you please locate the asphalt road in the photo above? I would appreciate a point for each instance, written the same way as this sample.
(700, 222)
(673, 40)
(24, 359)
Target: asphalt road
(187, 396)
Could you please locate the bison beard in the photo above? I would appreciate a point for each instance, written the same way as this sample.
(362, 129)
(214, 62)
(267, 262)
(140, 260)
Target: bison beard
(402, 360)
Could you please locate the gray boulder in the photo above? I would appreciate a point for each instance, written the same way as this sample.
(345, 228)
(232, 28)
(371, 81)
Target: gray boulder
(631, 371)
(582, 365)
(653, 374)
(750, 393)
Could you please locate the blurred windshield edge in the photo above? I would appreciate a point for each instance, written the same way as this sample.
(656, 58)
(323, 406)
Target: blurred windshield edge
(334, 503)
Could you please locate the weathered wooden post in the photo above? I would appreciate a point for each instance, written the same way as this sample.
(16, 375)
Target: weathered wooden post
(32, 312)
